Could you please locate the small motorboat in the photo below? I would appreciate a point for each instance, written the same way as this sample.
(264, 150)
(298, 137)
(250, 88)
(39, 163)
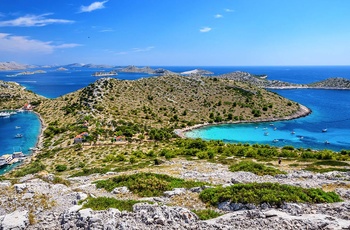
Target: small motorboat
(324, 130)
(18, 135)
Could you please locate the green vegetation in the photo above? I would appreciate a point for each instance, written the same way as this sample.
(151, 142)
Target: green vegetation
(325, 170)
(146, 184)
(206, 214)
(31, 168)
(258, 169)
(103, 203)
(331, 163)
(271, 193)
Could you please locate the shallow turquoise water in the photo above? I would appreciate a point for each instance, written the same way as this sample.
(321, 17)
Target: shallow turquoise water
(27, 124)
(331, 111)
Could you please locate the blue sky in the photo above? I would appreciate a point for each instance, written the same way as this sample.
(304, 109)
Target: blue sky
(176, 32)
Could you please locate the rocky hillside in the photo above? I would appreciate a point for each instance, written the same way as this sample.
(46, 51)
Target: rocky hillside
(170, 101)
(14, 96)
(13, 66)
(147, 69)
(332, 83)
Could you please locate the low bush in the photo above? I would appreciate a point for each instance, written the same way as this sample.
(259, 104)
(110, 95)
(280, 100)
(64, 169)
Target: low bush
(331, 163)
(103, 203)
(206, 214)
(256, 168)
(325, 170)
(32, 168)
(271, 193)
(146, 184)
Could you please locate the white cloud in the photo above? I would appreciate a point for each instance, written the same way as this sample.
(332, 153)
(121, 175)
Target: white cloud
(20, 44)
(218, 16)
(135, 50)
(106, 30)
(229, 10)
(34, 20)
(143, 49)
(205, 29)
(93, 6)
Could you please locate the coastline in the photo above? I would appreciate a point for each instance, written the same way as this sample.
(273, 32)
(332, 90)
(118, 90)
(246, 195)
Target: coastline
(302, 112)
(40, 138)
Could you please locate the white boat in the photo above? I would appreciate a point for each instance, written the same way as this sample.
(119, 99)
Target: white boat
(266, 133)
(275, 140)
(18, 135)
(5, 114)
(292, 132)
(324, 130)
(327, 142)
(17, 127)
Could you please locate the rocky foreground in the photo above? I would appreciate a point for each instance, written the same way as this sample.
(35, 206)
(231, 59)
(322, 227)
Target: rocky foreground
(35, 202)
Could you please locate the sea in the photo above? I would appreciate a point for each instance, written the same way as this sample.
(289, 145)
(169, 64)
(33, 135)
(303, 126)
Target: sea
(330, 108)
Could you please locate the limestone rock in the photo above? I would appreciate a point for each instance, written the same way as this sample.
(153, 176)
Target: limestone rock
(16, 220)
(121, 190)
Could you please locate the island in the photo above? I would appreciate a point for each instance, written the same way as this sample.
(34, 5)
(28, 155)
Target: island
(104, 74)
(27, 73)
(197, 72)
(111, 155)
(147, 69)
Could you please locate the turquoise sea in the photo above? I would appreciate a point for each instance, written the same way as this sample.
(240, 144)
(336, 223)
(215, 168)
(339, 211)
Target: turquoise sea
(331, 108)
(25, 123)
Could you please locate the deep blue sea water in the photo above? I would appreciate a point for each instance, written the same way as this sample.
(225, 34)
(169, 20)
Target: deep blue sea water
(331, 108)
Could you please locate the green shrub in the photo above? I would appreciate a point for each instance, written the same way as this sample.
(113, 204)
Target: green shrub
(258, 169)
(146, 184)
(206, 214)
(331, 163)
(32, 168)
(103, 203)
(89, 171)
(271, 193)
(61, 168)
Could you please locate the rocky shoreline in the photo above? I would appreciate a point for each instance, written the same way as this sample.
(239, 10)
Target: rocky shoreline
(302, 112)
(63, 210)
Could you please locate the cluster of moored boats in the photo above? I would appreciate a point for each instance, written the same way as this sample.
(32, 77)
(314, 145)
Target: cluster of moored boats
(292, 132)
(9, 159)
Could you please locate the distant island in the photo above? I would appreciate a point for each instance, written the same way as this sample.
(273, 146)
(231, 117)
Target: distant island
(104, 74)
(262, 82)
(197, 72)
(27, 73)
(14, 66)
(147, 69)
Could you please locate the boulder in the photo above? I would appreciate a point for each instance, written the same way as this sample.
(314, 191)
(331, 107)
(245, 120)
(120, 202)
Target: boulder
(121, 190)
(20, 187)
(15, 220)
(175, 191)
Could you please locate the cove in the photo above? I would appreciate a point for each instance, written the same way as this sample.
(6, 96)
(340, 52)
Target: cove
(330, 110)
(27, 124)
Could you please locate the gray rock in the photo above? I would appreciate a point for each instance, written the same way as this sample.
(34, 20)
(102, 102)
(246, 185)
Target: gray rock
(196, 189)
(121, 190)
(225, 206)
(5, 184)
(175, 191)
(81, 196)
(27, 196)
(15, 220)
(20, 187)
